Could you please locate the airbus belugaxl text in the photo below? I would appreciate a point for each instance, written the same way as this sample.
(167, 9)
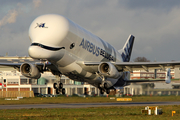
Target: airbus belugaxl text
(80, 55)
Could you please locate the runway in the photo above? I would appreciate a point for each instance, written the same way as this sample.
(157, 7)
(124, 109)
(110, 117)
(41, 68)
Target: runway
(86, 105)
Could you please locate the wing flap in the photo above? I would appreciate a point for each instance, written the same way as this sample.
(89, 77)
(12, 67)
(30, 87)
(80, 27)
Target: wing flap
(133, 81)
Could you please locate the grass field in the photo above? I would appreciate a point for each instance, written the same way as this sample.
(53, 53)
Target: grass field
(100, 113)
(97, 113)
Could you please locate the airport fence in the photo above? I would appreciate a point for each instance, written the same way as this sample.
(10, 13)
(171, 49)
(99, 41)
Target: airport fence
(12, 94)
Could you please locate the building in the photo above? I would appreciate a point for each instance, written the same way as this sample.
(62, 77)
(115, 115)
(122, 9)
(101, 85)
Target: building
(158, 88)
(14, 81)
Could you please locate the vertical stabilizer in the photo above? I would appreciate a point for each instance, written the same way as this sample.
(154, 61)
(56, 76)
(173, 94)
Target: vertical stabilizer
(127, 49)
(168, 76)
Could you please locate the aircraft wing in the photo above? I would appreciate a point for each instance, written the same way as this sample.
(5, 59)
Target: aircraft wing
(130, 66)
(16, 63)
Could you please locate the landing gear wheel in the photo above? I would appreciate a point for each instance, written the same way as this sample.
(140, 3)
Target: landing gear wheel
(101, 91)
(63, 91)
(60, 85)
(55, 86)
(107, 91)
(105, 85)
(57, 91)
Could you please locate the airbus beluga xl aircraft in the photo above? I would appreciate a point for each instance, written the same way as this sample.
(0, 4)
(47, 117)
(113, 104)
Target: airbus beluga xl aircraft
(80, 55)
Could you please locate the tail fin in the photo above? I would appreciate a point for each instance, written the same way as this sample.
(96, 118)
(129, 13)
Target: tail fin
(127, 49)
(168, 76)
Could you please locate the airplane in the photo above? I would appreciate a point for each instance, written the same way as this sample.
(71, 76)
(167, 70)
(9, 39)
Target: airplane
(65, 48)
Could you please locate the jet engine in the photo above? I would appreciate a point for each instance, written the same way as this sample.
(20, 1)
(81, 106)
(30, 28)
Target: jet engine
(108, 70)
(30, 71)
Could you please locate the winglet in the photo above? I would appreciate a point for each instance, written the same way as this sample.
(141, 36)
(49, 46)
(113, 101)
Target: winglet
(127, 49)
(168, 76)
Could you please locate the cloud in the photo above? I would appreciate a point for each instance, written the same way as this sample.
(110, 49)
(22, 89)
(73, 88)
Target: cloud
(12, 15)
(162, 5)
(9, 18)
(37, 3)
(155, 24)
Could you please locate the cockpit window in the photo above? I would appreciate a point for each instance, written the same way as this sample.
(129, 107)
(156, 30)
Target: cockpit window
(46, 47)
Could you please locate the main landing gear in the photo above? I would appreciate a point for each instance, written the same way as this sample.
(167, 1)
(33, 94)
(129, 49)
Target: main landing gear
(59, 88)
(104, 88)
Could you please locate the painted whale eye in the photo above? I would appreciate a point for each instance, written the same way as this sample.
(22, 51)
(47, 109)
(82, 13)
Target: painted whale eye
(72, 45)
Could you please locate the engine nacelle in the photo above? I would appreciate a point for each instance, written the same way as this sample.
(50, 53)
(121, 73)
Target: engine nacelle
(108, 70)
(30, 71)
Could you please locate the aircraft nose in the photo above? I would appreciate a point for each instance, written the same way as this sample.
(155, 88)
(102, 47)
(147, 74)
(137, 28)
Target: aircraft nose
(36, 52)
(49, 30)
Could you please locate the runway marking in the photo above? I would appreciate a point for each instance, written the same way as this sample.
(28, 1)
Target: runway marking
(124, 99)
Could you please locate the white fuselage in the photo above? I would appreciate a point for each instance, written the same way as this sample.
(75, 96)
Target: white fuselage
(67, 45)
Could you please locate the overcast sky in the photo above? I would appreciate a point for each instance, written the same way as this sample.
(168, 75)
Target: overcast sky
(154, 23)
